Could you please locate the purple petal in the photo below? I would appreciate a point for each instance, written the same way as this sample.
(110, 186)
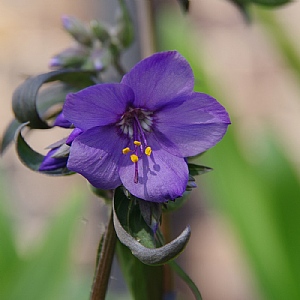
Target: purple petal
(53, 163)
(98, 105)
(159, 78)
(192, 127)
(95, 154)
(74, 134)
(61, 121)
(161, 177)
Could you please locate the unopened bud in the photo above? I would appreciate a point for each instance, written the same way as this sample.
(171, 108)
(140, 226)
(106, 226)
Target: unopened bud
(77, 29)
(71, 57)
(99, 31)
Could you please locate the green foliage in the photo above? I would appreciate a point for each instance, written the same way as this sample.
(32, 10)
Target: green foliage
(260, 199)
(25, 97)
(32, 159)
(195, 169)
(9, 135)
(144, 282)
(180, 272)
(136, 234)
(244, 5)
(283, 41)
(44, 273)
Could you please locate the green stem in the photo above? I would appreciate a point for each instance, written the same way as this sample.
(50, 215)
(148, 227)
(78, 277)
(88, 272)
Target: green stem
(103, 268)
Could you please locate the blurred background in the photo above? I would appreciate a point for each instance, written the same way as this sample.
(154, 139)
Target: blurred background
(244, 216)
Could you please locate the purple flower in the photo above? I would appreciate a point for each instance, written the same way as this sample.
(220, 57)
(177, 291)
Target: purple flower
(138, 132)
(58, 155)
(61, 121)
(55, 159)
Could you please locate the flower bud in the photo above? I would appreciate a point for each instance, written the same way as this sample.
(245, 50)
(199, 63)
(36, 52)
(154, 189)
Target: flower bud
(77, 29)
(99, 31)
(55, 159)
(70, 58)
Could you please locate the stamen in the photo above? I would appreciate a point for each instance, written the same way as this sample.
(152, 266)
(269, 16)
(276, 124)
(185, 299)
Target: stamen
(126, 150)
(148, 151)
(134, 158)
(137, 143)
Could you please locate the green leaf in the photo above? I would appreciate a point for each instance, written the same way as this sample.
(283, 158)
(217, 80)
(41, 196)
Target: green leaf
(45, 271)
(195, 169)
(271, 2)
(151, 212)
(52, 96)
(9, 135)
(261, 200)
(128, 213)
(124, 28)
(180, 272)
(9, 258)
(24, 99)
(144, 282)
(139, 234)
(32, 159)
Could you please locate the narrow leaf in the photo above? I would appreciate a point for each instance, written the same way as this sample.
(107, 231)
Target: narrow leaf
(181, 273)
(271, 2)
(32, 159)
(195, 169)
(24, 101)
(146, 255)
(9, 135)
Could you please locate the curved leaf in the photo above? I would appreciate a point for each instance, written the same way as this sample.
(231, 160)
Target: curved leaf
(24, 101)
(9, 135)
(186, 278)
(32, 159)
(149, 256)
(271, 2)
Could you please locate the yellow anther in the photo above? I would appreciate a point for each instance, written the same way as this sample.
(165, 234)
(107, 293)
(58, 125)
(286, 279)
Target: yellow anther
(137, 143)
(126, 150)
(134, 158)
(148, 151)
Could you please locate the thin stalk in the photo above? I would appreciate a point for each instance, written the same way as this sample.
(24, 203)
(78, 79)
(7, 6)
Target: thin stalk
(102, 274)
(146, 27)
(168, 284)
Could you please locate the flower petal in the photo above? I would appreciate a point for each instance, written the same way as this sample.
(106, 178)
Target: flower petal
(95, 154)
(97, 105)
(61, 121)
(159, 78)
(74, 134)
(161, 176)
(192, 127)
(51, 163)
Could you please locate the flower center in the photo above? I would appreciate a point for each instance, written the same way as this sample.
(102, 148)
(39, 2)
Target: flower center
(134, 123)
